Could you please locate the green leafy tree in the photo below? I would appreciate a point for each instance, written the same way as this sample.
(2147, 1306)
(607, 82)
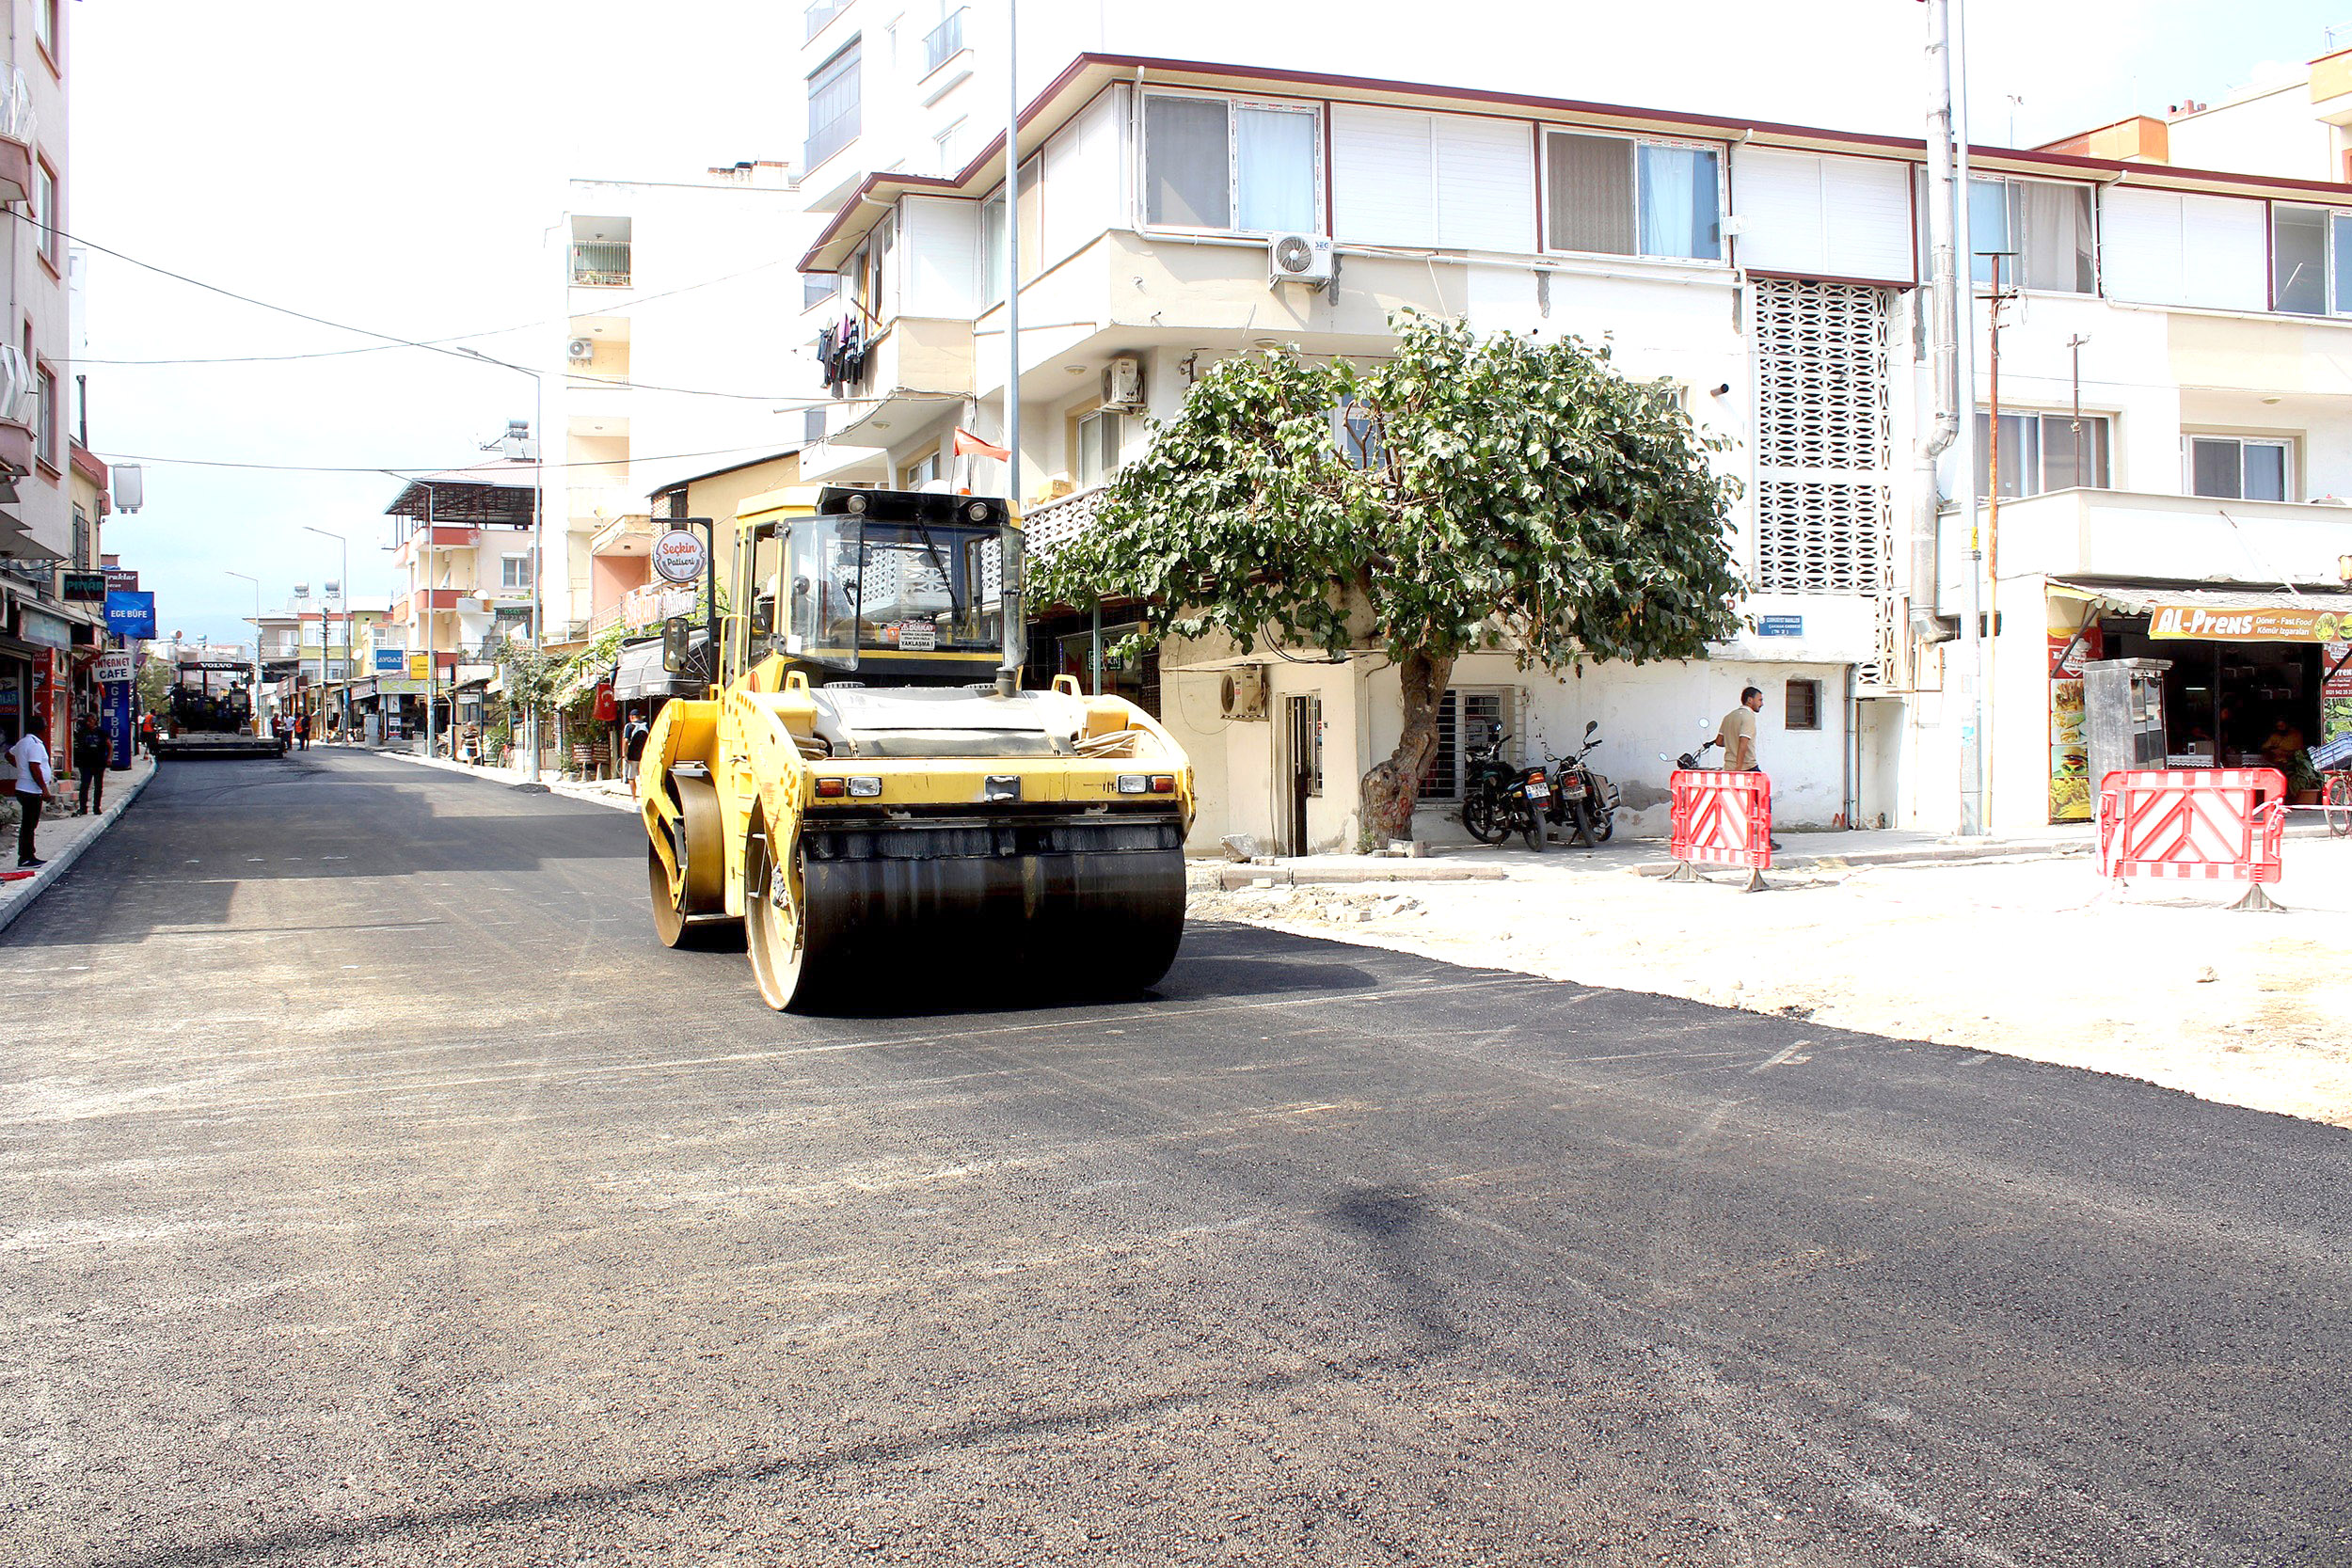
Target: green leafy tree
(533, 679)
(153, 684)
(1494, 492)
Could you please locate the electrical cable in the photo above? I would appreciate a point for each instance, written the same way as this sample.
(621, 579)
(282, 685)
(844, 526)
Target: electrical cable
(423, 469)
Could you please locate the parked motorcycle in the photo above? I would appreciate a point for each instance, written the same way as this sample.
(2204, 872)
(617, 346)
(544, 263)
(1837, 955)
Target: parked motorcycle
(1582, 798)
(1486, 781)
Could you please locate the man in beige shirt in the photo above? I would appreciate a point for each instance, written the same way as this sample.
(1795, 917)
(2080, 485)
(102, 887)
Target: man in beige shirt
(1736, 735)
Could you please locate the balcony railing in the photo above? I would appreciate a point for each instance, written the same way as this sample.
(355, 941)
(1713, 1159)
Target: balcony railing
(943, 43)
(831, 136)
(1048, 528)
(821, 11)
(600, 264)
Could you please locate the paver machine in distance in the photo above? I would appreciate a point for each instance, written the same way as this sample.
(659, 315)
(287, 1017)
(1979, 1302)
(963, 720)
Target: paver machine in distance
(868, 792)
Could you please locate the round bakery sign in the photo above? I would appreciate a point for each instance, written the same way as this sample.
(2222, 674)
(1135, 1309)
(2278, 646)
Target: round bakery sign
(678, 556)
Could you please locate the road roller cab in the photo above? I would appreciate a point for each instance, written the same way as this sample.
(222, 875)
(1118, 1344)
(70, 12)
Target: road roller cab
(868, 797)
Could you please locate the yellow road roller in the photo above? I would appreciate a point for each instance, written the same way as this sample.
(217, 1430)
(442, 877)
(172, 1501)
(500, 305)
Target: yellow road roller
(871, 800)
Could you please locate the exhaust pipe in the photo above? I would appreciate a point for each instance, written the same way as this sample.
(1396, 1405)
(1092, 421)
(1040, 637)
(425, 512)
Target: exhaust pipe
(1013, 558)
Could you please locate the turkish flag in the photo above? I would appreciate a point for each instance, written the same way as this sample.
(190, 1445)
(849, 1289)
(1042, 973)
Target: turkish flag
(969, 444)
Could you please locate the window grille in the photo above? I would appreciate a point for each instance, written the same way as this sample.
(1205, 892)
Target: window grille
(1463, 719)
(1823, 441)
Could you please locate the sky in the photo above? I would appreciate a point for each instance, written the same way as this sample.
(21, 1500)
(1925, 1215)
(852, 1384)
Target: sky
(399, 168)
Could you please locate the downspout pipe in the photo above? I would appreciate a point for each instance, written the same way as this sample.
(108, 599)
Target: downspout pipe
(1942, 326)
(1011, 611)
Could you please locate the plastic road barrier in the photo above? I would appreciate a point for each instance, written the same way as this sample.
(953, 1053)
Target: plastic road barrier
(2202, 823)
(1721, 819)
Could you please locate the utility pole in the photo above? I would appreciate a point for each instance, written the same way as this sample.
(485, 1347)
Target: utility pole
(326, 627)
(1993, 304)
(1015, 631)
(2074, 346)
(1972, 805)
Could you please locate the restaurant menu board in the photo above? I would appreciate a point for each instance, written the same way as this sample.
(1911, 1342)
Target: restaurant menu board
(2335, 696)
(2070, 738)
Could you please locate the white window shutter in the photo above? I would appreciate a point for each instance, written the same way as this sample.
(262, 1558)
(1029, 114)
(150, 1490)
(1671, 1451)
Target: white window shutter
(1485, 184)
(1383, 177)
(2225, 253)
(1866, 219)
(2139, 247)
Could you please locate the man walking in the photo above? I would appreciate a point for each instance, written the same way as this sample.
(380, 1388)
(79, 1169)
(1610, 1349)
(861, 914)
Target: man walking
(302, 733)
(1736, 735)
(34, 780)
(91, 756)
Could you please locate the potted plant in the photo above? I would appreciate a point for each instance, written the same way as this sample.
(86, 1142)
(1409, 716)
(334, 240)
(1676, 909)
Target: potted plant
(2303, 780)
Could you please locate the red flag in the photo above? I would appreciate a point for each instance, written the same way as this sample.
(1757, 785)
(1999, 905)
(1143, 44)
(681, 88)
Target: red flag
(969, 444)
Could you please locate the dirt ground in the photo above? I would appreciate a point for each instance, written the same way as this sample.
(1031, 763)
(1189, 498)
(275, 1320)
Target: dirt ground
(2035, 958)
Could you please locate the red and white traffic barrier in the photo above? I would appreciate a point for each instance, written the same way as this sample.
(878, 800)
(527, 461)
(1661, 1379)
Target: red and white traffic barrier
(1721, 818)
(2205, 824)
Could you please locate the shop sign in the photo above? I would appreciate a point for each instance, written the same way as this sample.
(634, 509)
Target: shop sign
(399, 685)
(1780, 625)
(2204, 622)
(50, 631)
(420, 668)
(2070, 745)
(85, 587)
(388, 661)
(130, 614)
(113, 665)
(121, 580)
(678, 556)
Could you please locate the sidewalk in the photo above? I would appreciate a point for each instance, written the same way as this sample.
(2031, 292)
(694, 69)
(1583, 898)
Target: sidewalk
(61, 838)
(2024, 953)
(607, 792)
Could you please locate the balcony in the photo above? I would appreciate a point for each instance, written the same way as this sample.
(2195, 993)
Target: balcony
(2129, 534)
(1049, 527)
(17, 125)
(600, 264)
(943, 42)
(628, 535)
(821, 11)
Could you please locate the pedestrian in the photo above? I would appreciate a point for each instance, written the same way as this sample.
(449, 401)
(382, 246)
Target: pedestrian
(633, 735)
(302, 733)
(34, 780)
(90, 757)
(1736, 735)
(147, 733)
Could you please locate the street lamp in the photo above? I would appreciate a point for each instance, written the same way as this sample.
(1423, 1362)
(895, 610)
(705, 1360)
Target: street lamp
(253, 699)
(538, 533)
(326, 627)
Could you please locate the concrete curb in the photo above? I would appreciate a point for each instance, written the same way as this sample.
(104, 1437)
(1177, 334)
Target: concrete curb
(1230, 877)
(1941, 855)
(47, 875)
(466, 770)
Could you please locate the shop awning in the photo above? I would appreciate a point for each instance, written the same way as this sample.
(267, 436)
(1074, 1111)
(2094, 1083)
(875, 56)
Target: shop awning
(637, 674)
(2224, 615)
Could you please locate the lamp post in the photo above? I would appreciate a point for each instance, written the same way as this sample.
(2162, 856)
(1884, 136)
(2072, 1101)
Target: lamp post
(538, 533)
(253, 700)
(326, 626)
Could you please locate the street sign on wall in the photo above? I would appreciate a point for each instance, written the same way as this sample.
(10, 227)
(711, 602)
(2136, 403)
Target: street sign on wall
(1780, 625)
(85, 587)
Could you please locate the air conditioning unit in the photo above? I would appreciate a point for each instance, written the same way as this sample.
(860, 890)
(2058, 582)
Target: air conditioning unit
(1122, 385)
(580, 350)
(1298, 258)
(1243, 694)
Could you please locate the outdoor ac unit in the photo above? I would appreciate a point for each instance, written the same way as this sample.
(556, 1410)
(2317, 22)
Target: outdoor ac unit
(1122, 385)
(580, 350)
(1243, 694)
(1298, 258)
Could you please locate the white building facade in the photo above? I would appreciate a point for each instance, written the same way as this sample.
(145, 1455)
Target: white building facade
(1770, 273)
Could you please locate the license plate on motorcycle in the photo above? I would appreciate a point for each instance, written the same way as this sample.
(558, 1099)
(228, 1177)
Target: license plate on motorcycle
(1538, 790)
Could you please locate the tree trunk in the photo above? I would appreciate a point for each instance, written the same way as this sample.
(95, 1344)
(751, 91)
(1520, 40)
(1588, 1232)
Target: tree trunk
(1386, 795)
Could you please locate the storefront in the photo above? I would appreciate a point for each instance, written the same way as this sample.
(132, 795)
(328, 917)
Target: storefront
(2257, 675)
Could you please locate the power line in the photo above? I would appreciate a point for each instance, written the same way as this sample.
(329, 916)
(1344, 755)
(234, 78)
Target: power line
(399, 471)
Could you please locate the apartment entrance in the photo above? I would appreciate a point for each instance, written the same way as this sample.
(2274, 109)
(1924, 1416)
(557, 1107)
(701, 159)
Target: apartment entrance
(1302, 767)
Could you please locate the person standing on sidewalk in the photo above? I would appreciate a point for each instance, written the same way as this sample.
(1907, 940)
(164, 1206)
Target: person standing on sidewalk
(302, 733)
(90, 757)
(34, 780)
(1736, 735)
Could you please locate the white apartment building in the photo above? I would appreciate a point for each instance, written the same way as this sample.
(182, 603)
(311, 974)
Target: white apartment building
(463, 542)
(38, 630)
(1770, 272)
(682, 355)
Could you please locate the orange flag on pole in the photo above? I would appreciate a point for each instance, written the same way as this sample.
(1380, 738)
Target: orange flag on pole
(969, 444)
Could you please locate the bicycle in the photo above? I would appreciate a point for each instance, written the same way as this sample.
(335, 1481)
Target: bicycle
(2336, 803)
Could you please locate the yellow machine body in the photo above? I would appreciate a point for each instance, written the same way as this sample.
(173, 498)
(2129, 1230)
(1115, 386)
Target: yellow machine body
(863, 802)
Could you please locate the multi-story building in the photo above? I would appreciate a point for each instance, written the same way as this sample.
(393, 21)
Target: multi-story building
(677, 361)
(39, 629)
(1770, 273)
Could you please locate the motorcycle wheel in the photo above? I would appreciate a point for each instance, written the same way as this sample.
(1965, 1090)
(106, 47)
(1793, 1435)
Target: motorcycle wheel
(1603, 824)
(1483, 817)
(1533, 830)
(1581, 815)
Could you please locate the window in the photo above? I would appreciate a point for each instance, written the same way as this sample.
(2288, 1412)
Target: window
(1802, 708)
(2041, 452)
(812, 424)
(515, 571)
(600, 251)
(46, 218)
(2232, 468)
(992, 251)
(819, 287)
(2311, 260)
(1614, 197)
(1101, 434)
(45, 26)
(993, 235)
(953, 143)
(832, 106)
(81, 540)
(2047, 227)
(1214, 163)
(943, 42)
(1465, 719)
(1356, 431)
(45, 419)
(923, 471)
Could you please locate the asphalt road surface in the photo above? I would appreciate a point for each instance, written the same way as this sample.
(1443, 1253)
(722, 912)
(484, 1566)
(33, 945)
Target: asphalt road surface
(374, 1190)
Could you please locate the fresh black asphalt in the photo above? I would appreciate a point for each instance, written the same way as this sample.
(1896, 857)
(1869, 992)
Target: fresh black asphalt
(374, 1190)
